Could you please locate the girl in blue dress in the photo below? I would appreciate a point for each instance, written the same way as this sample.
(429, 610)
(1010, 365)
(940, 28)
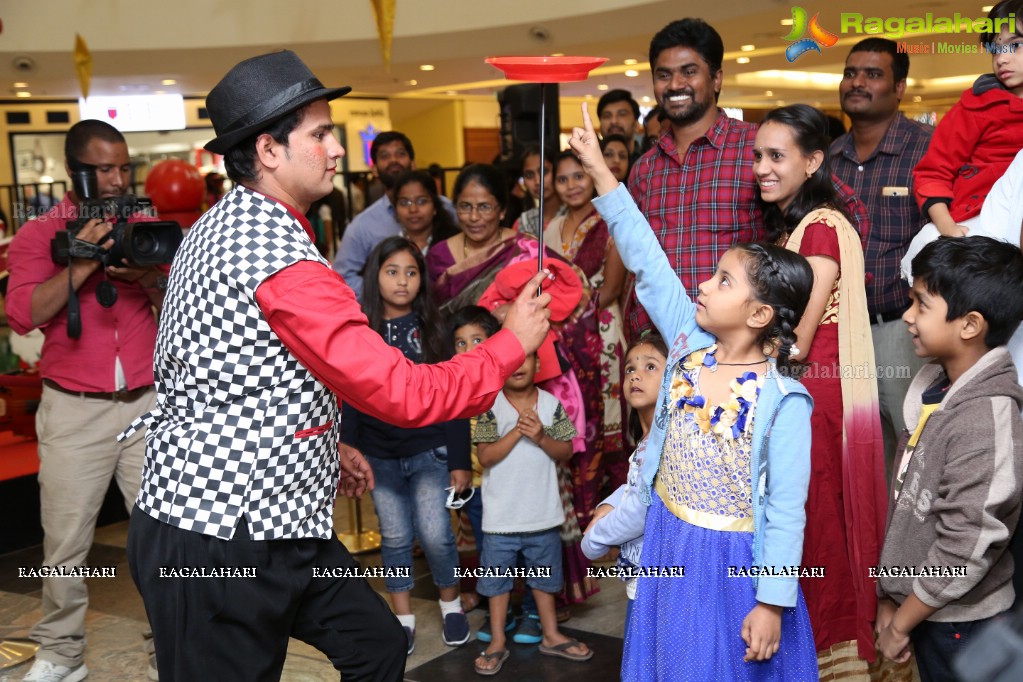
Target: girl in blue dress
(724, 481)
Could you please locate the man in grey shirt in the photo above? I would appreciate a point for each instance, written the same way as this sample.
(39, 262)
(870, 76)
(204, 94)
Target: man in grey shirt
(392, 154)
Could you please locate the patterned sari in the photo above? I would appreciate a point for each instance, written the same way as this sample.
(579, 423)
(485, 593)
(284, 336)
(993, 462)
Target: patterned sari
(456, 285)
(588, 251)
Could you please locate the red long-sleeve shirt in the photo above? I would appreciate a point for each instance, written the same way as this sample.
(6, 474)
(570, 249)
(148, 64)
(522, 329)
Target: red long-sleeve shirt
(317, 317)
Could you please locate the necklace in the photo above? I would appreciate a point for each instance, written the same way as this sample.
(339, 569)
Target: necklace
(714, 368)
(711, 363)
(465, 243)
(424, 247)
(728, 420)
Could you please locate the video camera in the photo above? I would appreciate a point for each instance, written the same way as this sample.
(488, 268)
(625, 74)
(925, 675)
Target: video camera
(143, 244)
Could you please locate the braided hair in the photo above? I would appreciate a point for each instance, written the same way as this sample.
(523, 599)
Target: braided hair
(782, 280)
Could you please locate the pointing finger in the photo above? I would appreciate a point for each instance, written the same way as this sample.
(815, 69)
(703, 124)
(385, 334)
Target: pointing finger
(587, 122)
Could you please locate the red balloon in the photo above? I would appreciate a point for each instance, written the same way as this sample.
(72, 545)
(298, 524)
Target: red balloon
(175, 185)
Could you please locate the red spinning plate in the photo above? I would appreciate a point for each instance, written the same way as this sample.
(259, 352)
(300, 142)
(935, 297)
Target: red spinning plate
(546, 69)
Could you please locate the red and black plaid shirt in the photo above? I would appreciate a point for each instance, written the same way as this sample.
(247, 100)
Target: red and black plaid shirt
(702, 204)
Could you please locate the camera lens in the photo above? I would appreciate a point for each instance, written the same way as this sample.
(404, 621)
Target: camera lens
(144, 243)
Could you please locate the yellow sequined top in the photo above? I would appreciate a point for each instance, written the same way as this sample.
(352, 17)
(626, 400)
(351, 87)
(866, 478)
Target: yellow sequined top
(704, 477)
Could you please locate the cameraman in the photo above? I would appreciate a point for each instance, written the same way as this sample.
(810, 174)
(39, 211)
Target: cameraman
(93, 386)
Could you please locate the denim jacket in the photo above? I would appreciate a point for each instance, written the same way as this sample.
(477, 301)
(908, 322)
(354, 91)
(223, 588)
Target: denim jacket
(780, 462)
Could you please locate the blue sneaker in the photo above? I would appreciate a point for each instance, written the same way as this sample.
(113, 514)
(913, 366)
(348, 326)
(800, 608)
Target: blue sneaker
(456, 629)
(483, 634)
(529, 631)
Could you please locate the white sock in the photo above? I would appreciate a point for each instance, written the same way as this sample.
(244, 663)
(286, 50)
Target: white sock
(453, 606)
(408, 621)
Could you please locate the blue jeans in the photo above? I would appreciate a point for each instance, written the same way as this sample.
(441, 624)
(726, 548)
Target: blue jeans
(474, 509)
(503, 552)
(409, 498)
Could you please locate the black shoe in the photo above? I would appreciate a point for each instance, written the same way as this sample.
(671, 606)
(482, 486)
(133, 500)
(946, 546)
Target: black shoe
(456, 629)
(483, 634)
(410, 633)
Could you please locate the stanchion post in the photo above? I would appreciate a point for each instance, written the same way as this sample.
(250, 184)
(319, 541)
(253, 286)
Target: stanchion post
(357, 540)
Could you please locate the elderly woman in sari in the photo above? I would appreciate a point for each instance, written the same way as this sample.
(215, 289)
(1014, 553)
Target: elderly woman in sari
(461, 269)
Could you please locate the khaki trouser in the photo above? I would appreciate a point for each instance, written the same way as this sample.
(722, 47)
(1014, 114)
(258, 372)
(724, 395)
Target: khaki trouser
(897, 364)
(78, 456)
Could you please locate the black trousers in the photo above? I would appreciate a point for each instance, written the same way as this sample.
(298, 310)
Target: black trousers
(936, 645)
(237, 628)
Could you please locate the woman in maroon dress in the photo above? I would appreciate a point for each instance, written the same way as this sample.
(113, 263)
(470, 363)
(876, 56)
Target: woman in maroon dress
(845, 509)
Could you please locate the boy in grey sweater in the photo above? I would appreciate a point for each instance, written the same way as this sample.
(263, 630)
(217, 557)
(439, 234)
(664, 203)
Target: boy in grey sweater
(956, 493)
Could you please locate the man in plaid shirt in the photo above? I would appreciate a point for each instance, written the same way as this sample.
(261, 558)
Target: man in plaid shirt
(876, 158)
(696, 185)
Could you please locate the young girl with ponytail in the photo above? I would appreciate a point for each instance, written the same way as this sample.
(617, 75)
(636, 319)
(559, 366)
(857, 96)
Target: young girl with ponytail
(847, 501)
(717, 498)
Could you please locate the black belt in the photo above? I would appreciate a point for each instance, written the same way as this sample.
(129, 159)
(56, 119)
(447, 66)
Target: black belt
(880, 318)
(125, 396)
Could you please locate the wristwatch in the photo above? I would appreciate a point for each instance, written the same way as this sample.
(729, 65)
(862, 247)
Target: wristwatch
(161, 283)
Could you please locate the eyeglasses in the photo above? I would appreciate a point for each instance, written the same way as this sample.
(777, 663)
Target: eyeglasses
(458, 500)
(421, 202)
(485, 210)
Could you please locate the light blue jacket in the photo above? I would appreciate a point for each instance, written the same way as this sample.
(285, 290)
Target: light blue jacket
(780, 462)
(618, 527)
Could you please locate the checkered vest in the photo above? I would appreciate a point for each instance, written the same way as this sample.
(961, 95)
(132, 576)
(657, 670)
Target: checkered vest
(241, 428)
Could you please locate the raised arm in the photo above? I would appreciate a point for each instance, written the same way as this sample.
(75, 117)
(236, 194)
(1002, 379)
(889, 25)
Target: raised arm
(657, 285)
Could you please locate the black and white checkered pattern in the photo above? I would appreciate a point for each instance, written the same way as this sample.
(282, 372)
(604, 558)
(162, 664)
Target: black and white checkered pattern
(230, 397)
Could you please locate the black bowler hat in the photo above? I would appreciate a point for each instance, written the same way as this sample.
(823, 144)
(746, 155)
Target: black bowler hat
(259, 91)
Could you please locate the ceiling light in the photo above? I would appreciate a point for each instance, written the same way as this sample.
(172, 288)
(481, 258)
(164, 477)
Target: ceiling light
(918, 98)
(589, 95)
(450, 92)
(630, 61)
(748, 48)
(742, 60)
(632, 73)
(987, 8)
(557, 54)
(412, 82)
(168, 81)
(23, 93)
(646, 98)
(426, 67)
(769, 93)
(773, 78)
(602, 86)
(786, 22)
(21, 85)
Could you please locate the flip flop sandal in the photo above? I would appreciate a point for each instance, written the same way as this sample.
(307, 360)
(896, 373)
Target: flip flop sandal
(562, 651)
(501, 657)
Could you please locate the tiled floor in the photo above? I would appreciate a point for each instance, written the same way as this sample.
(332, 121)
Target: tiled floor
(116, 619)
